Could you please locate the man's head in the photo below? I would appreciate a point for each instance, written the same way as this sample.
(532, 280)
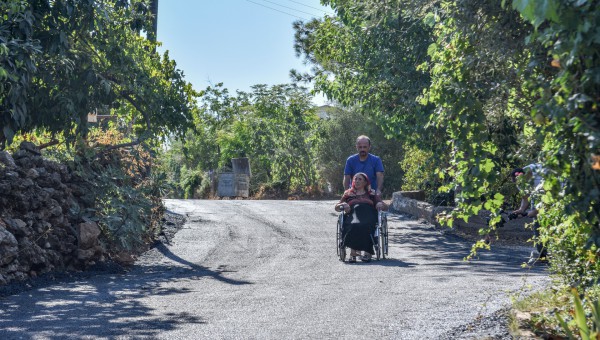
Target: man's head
(516, 173)
(363, 145)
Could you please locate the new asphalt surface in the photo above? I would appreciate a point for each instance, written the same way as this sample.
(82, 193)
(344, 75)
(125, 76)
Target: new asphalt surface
(241, 269)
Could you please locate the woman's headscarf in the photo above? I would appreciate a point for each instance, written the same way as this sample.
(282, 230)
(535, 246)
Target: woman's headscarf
(367, 187)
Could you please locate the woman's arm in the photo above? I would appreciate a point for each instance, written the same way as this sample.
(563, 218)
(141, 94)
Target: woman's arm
(343, 205)
(381, 206)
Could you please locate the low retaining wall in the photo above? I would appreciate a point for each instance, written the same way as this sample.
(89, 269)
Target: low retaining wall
(404, 203)
(513, 231)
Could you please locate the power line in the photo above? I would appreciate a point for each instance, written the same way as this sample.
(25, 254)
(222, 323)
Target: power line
(274, 9)
(318, 9)
(293, 9)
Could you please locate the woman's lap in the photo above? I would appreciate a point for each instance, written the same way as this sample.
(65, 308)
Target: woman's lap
(360, 227)
(358, 237)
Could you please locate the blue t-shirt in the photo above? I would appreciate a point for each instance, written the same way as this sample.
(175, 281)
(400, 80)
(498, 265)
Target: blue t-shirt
(369, 166)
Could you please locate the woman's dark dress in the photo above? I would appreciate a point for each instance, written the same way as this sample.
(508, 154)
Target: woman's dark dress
(359, 224)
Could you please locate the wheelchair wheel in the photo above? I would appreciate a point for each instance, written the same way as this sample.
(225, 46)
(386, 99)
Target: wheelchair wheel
(383, 236)
(341, 250)
(377, 246)
(376, 243)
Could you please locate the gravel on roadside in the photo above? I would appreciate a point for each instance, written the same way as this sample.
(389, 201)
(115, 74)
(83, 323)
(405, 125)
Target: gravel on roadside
(494, 326)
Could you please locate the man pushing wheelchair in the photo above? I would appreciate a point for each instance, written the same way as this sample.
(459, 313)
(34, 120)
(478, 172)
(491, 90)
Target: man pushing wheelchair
(361, 204)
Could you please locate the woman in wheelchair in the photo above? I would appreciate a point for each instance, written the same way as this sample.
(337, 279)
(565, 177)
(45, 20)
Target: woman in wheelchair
(360, 206)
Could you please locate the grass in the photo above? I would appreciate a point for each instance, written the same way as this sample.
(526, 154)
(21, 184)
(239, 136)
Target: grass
(547, 313)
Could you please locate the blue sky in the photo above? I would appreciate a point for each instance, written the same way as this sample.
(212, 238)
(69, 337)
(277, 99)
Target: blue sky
(238, 42)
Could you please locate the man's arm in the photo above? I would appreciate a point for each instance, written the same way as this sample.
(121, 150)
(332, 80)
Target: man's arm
(346, 182)
(379, 176)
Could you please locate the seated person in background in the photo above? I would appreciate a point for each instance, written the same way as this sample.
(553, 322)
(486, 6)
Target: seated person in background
(534, 180)
(360, 204)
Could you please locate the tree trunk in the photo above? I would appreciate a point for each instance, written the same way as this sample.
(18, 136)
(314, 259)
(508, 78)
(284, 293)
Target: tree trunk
(154, 10)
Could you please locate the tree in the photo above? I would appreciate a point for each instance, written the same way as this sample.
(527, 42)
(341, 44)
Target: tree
(477, 91)
(367, 58)
(492, 87)
(565, 84)
(154, 30)
(272, 125)
(64, 59)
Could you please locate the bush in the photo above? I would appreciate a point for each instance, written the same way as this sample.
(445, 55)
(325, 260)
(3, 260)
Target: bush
(584, 318)
(190, 182)
(562, 312)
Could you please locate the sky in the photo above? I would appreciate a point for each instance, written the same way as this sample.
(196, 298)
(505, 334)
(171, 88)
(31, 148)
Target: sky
(237, 42)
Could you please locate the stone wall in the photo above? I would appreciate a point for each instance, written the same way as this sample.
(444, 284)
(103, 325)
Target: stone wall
(41, 224)
(404, 202)
(514, 231)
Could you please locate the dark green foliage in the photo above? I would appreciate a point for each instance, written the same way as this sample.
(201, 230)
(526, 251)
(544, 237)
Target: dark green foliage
(367, 58)
(477, 88)
(479, 100)
(272, 126)
(127, 211)
(567, 85)
(60, 60)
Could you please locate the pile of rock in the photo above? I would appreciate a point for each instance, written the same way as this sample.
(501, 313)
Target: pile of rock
(42, 225)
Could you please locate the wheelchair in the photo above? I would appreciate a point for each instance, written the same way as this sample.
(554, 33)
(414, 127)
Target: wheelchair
(379, 237)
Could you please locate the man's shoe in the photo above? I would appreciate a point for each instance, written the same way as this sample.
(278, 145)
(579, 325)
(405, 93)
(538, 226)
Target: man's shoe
(535, 257)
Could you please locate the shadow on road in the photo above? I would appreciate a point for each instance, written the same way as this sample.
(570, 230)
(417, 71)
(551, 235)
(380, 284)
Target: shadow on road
(107, 305)
(390, 262)
(429, 247)
(217, 275)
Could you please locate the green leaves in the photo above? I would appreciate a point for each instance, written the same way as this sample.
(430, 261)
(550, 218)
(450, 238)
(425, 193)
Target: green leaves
(486, 165)
(580, 317)
(538, 11)
(566, 116)
(63, 60)
(274, 126)
(367, 57)
(430, 19)
(432, 50)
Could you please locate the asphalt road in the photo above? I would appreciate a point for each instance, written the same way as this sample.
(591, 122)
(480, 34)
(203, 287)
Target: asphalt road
(243, 269)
